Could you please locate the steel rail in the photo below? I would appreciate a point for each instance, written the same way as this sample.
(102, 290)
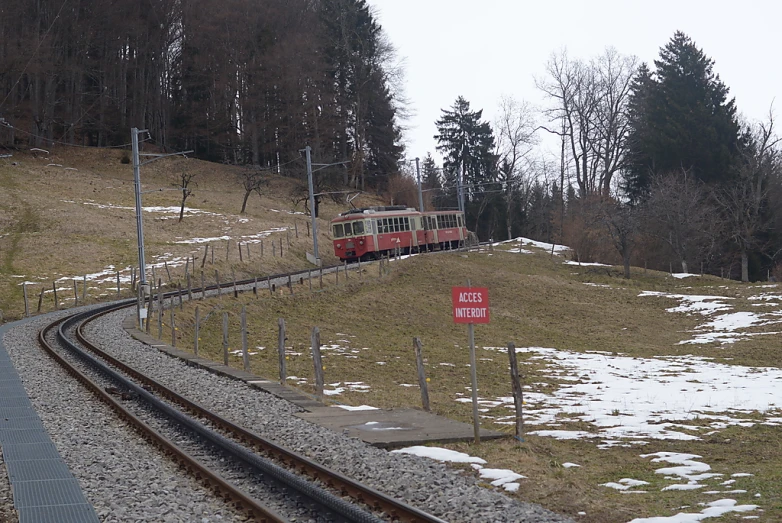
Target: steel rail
(199, 471)
(398, 510)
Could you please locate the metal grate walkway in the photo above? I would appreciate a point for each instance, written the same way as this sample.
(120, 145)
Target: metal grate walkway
(44, 489)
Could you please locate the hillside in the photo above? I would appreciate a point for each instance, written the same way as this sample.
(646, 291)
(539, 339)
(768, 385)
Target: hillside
(660, 386)
(70, 213)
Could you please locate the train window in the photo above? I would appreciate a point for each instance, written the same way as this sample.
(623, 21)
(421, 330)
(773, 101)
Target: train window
(338, 231)
(379, 226)
(358, 228)
(368, 225)
(459, 220)
(384, 226)
(348, 229)
(406, 222)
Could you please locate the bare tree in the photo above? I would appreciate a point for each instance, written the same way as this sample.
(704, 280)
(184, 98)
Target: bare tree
(622, 224)
(515, 139)
(589, 108)
(680, 213)
(253, 180)
(185, 179)
(745, 202)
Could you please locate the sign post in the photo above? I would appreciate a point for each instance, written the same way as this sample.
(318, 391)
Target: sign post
(471, 306)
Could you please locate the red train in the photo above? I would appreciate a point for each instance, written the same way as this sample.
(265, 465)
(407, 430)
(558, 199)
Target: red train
(372, 232)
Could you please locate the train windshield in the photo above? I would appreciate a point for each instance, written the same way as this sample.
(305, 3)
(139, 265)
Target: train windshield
(338, 231)
(358, 228)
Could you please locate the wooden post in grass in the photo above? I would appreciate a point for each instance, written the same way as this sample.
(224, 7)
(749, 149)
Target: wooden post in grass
(419, 361)
(308, 229)
(296, 228)
(56, 303)
(225, 339)
(84, 289)
(321, 277)
(217, 279)
(309, 278)
(290, 284)
(288, 236)
(203, 286)
(133, 278)
(227, 248)
(255, 286)
(160, 314)
(195, 331)
(261, 248)
(168, 273)
(189, 287)
(40, 298)
(315, 339)
(154, 276)
(206, 251)
(274, 249)
(281, 349)
(518, 393)
(280, 246)
(118, 287)
(239, 247)
(336, 271)
(245, 355)
(173, 327)
(269, 284)
(248, 251)
(212, 251)
(149, 311)
(346, 271)
(75, 294)
(360, 276)
(26, 304)
(380, 268)
(187, 266)
(233, 277)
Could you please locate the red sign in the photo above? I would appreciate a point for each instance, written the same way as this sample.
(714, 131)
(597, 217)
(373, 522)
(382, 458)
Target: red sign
(470, 304)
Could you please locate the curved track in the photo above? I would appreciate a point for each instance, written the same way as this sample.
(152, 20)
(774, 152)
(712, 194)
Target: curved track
(231, 438)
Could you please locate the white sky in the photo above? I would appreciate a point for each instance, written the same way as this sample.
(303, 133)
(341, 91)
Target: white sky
(488, 48)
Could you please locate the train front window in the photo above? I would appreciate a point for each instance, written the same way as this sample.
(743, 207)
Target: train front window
(358, 228)
(338, 231)
(348, 229)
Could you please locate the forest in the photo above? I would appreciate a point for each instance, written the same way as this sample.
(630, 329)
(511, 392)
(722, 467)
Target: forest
(654, 167)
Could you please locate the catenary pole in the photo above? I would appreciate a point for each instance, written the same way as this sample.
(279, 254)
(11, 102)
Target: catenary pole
(308, 151)
(420, 191)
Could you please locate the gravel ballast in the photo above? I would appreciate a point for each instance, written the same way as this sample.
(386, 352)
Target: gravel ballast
(124, 477)
(127, 479)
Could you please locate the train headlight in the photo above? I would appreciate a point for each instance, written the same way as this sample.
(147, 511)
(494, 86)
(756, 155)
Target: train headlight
(361, 242)
(339, 246)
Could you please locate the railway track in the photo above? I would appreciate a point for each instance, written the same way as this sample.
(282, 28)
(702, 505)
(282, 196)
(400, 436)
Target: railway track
(191, 434)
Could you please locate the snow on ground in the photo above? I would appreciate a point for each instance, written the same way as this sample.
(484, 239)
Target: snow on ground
(498, 477)
(682, 275)
(630, 398)
(518, 242)
(722, 328)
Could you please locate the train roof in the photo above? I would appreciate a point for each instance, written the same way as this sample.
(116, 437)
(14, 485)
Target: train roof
(395, 209)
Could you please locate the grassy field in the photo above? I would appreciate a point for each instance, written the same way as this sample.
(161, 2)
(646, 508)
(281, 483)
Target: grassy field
(49, 229)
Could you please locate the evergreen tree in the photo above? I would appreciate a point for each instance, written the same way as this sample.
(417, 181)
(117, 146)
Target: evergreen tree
(468, 146)
(681, 118)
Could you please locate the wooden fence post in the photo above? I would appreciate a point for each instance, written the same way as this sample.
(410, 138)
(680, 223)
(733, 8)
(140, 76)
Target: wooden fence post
(281, 349)
(419, 361)
(203, 286)
(173, 327)
(255, 285)
(321, 277)
(160, 314)
(187, 266)
(118, 287)
(296, 228)
(315, 339)
(56, 303)
(309, 278)
(227, 248)
(239, 247)
(225, 339)
(40, 299)
(308, 229)
(84, 289)
(233, 277)
(290, 283)
(75, 294)
(26, 304)
(518, 394)
(280, 246)
(248, 251)
(168, 273)
(245, 355)
(206, 251)
(261, 248)
(212, 251)
(154, 276)
(269, 284)
(217, 279)
(195, 331)
(189, 287)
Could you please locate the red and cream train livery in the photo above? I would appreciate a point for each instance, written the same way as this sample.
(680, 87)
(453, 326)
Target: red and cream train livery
(371, 232)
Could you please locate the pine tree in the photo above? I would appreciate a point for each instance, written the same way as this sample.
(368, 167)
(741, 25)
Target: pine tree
(468, 146)
(681, 119)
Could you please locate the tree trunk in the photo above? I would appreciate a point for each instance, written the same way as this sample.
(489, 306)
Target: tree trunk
(626, 260)
(684, 266)
(244, 201)
(744, 266)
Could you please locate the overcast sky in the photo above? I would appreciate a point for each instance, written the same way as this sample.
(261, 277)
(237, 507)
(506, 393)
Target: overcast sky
(484, 49)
